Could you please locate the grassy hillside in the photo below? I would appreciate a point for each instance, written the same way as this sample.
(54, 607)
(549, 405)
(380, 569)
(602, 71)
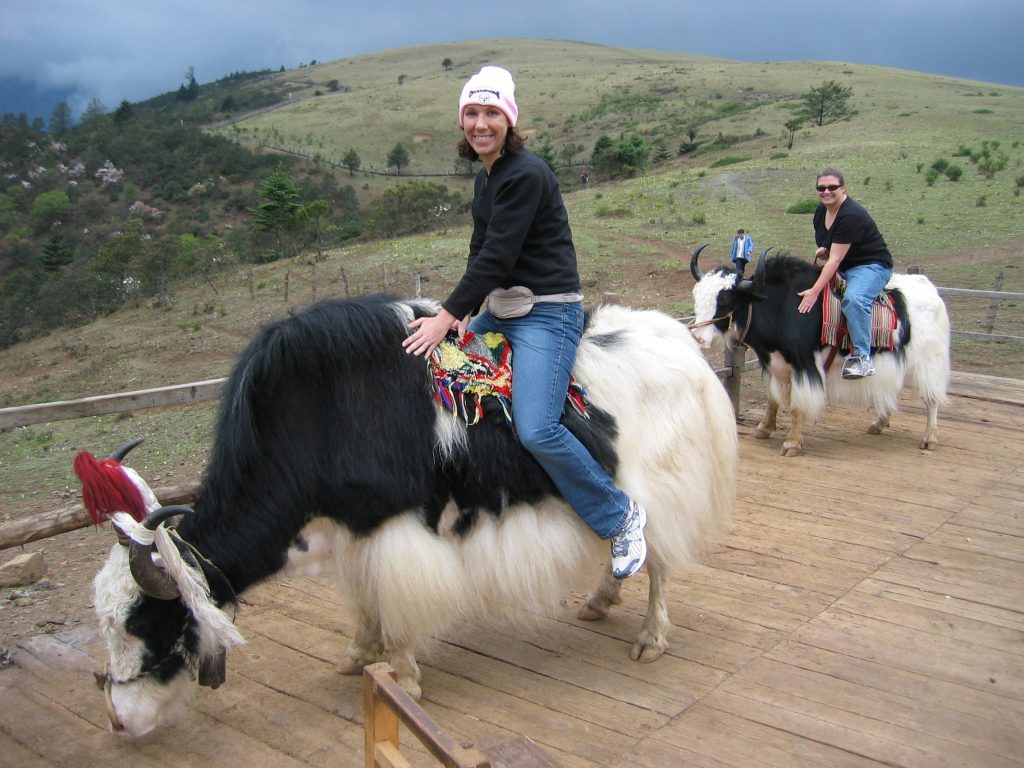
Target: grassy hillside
(633, 237)
(572, 93)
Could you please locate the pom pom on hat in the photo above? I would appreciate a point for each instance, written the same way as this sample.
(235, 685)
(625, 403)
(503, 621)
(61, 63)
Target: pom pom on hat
(491, 86)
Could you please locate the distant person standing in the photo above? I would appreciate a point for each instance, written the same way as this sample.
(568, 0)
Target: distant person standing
(742, 246)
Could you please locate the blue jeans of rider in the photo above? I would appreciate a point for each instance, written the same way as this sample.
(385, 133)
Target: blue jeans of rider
(863, 286)
(544, 346)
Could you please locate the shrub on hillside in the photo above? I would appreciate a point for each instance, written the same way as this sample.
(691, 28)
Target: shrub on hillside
(411, 207)
(804, 206)
(728, 160)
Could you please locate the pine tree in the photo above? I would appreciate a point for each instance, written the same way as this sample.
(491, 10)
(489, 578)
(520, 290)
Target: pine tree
(828, 103)
(351, 161)
(57, 252)
(398, 157)
(280, 214)
(60, 119)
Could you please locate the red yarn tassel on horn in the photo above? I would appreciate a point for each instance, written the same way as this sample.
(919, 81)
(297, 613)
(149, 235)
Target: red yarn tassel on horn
(106, 488)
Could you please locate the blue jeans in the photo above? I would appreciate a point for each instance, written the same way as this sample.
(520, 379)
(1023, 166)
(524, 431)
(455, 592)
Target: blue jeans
(544, 346)
(863, 286)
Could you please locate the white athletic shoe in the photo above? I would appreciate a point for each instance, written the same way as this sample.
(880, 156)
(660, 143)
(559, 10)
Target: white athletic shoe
(629, 548)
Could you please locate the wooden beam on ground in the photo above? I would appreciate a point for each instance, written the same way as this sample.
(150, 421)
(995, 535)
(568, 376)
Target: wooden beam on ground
(71, 517)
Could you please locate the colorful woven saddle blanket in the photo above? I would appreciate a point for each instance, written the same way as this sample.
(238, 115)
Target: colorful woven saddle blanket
(834, 332)
(470, 369)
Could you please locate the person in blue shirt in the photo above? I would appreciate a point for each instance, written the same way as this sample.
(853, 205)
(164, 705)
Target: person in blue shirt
(742, 246)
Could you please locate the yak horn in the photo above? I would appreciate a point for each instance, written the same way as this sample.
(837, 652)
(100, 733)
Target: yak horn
(121, 452)
(759, 272)
(694, 269)
(152, 579)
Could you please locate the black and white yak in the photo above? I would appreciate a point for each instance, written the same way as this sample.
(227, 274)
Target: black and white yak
(762, 312)
(331, 447)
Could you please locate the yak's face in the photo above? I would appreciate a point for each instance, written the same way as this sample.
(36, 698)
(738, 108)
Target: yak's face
(714, 299)
(151, 650)
(154, 601)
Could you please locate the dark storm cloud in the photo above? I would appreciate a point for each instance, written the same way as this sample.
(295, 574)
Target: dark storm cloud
(114, 49)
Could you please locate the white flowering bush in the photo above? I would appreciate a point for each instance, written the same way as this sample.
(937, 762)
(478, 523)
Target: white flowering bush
(109, 175)
(140, 210)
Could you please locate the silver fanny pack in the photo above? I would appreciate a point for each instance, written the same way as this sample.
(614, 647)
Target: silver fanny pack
(519, 300)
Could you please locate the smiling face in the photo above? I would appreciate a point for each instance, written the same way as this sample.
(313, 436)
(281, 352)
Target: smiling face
(486, 128)
(830, 190)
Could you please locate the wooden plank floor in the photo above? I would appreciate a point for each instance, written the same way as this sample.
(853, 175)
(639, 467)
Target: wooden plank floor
(867, 609)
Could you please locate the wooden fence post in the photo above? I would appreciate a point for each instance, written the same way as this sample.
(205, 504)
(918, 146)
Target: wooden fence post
(380, 726)
(994, 306)
(385, 704)
(735, 359)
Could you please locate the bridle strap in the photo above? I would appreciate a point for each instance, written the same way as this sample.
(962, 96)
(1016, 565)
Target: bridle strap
(728, 316)
(746, 325)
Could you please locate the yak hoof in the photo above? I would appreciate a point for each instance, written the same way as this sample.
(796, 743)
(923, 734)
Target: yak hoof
(645, 653)
(761, 433)
(792, 449)
(874, 429)
(928, 445)
(591, 612)
(349, 666)
(411, 686)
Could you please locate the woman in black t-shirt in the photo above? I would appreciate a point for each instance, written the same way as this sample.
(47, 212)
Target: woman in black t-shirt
(848, 238)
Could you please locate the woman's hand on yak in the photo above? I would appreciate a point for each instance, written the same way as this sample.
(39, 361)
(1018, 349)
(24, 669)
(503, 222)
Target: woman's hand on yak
(429, 331)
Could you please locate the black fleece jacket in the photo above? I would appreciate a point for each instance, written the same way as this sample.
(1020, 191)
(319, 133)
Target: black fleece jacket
(521, 234)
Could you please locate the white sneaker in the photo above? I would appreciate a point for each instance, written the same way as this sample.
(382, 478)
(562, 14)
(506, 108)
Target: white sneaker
(629, 548)
(858, 366)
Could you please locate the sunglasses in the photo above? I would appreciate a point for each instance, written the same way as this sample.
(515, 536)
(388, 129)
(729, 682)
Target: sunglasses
(828, 187)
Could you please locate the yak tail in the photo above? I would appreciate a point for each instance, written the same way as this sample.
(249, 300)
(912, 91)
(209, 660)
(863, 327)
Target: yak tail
(927, 354)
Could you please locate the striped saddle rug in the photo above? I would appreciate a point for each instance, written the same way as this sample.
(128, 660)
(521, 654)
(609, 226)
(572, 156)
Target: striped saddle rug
(834, 332)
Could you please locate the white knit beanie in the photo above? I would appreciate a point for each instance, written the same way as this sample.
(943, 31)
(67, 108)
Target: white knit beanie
(491, 86)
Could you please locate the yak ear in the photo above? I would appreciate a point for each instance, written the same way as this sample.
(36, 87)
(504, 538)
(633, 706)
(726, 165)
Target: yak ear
(220, 588)
(749, 289)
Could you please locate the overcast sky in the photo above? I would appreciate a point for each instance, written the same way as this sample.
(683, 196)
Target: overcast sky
(136, 49)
